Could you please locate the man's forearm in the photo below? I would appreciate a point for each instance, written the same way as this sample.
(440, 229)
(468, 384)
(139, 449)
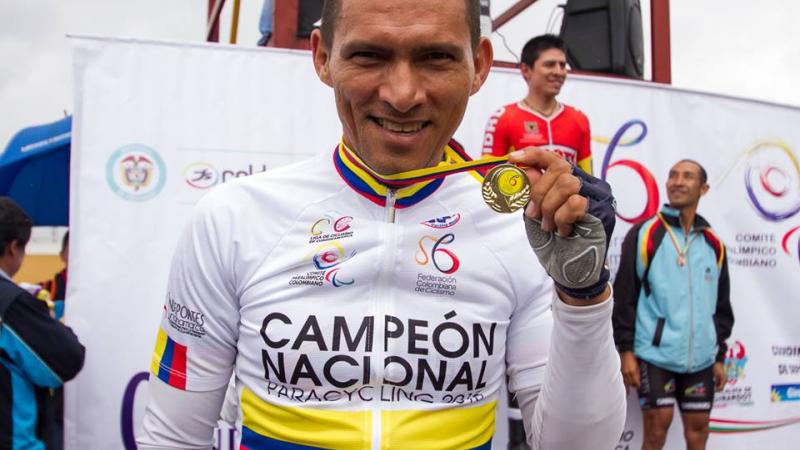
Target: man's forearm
(582, 403)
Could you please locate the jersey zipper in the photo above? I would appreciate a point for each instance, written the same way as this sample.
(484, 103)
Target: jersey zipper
(691, 302)
(381, 300)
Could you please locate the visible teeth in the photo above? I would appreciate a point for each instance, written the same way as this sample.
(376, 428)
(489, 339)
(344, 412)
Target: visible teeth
(400, 127)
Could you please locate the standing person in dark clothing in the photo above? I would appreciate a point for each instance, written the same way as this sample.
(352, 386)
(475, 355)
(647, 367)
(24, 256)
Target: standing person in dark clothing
(57, 290)
(673, 312)
(37, 352)
(57, 286)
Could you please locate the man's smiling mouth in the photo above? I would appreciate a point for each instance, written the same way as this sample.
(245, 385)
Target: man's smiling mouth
(397, 127)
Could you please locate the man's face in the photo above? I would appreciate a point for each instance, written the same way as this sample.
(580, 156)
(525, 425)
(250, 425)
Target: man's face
(548, 73)
(401, 71)
(14, 254)
(684, 187)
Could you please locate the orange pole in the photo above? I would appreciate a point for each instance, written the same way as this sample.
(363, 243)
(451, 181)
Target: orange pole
(235, 21)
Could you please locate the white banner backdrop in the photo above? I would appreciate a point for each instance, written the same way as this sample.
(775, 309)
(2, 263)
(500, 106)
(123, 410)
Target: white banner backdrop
(158, 124)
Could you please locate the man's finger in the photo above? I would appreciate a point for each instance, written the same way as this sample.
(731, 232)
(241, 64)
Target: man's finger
(534, 157)
(570, 212)
(543, 186)
(720, 381)
(533, 176)
(636, 380)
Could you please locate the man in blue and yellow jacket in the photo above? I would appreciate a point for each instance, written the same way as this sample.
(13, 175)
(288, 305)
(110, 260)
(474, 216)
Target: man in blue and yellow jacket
(37, 352)
(673, 313)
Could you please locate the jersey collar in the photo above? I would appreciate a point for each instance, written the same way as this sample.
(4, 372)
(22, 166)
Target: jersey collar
(352, 170)
(673, 217)
(559, 109)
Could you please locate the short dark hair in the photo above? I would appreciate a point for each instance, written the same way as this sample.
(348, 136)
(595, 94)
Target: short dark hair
(15, 225)
(703, 174)
(536, 46)
(331, 9)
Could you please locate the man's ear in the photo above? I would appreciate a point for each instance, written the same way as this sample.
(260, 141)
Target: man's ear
(482, 59)
(525, 70)
(321, 55)
(704, 189)
(12, 249)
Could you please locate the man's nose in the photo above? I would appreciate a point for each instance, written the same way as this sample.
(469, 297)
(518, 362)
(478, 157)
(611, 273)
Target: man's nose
(402, 89)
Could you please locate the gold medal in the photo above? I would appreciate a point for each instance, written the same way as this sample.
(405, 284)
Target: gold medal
(506, 188)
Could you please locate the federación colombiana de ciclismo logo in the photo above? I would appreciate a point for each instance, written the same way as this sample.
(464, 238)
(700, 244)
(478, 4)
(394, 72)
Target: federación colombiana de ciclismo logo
(136, 172)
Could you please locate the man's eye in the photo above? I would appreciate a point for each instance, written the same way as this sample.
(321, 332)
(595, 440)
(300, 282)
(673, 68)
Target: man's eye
(438, 56)
(365, 55)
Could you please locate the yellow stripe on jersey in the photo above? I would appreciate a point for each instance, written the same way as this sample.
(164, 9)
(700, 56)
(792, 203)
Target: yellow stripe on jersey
(158, 353)
(586, 165)
(312, 427)
(451, 429)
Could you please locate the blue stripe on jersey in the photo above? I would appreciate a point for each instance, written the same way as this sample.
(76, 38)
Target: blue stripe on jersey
(486, 446)
(26, 360)
(254, 441)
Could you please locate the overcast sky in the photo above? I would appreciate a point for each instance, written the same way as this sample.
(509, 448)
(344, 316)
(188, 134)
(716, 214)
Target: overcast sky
(736, 47)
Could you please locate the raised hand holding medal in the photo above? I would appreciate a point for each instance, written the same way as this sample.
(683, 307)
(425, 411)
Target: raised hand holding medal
(569, 221)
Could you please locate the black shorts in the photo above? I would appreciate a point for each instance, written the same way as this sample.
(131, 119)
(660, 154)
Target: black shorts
(661, 388)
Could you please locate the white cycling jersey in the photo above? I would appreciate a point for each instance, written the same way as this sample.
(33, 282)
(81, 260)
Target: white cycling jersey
(355, 316)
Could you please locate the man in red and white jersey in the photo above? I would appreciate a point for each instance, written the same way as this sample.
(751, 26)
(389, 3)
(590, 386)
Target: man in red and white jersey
(540, 120)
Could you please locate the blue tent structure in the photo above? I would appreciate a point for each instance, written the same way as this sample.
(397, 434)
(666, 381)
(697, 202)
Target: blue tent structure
(34, 171)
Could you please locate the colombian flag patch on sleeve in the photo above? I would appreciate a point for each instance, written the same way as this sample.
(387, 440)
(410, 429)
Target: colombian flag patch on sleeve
(169, 361)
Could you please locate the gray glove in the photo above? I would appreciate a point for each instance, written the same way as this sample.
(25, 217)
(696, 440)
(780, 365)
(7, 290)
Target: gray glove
(577, 262)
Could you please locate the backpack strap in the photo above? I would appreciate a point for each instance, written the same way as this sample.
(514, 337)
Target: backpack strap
(651, 240)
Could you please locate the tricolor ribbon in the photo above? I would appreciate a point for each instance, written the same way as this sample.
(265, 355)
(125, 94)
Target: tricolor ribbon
(412, 186)
(447, 167)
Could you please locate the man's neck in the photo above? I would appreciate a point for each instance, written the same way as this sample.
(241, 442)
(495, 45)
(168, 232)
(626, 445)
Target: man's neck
(544, 105)
(687, 215)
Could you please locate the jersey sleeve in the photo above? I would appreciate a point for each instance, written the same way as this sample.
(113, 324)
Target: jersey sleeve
(584, 159)
(196, 342)
(496, 141)
(179, 420)
(626, 292)
(582, 402)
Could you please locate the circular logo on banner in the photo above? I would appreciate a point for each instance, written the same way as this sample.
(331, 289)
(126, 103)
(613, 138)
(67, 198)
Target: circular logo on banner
(201, 175)
(772, 180)
(136, 172)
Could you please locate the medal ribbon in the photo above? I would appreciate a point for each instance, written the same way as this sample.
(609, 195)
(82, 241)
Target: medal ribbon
(447, 167)
(674, 238)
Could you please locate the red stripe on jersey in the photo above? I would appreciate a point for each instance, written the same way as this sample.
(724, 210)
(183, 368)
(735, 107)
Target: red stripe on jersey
(177, 372)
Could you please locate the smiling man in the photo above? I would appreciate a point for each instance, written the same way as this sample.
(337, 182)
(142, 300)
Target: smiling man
(369, 298)
(673, 312)
(540, 119)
